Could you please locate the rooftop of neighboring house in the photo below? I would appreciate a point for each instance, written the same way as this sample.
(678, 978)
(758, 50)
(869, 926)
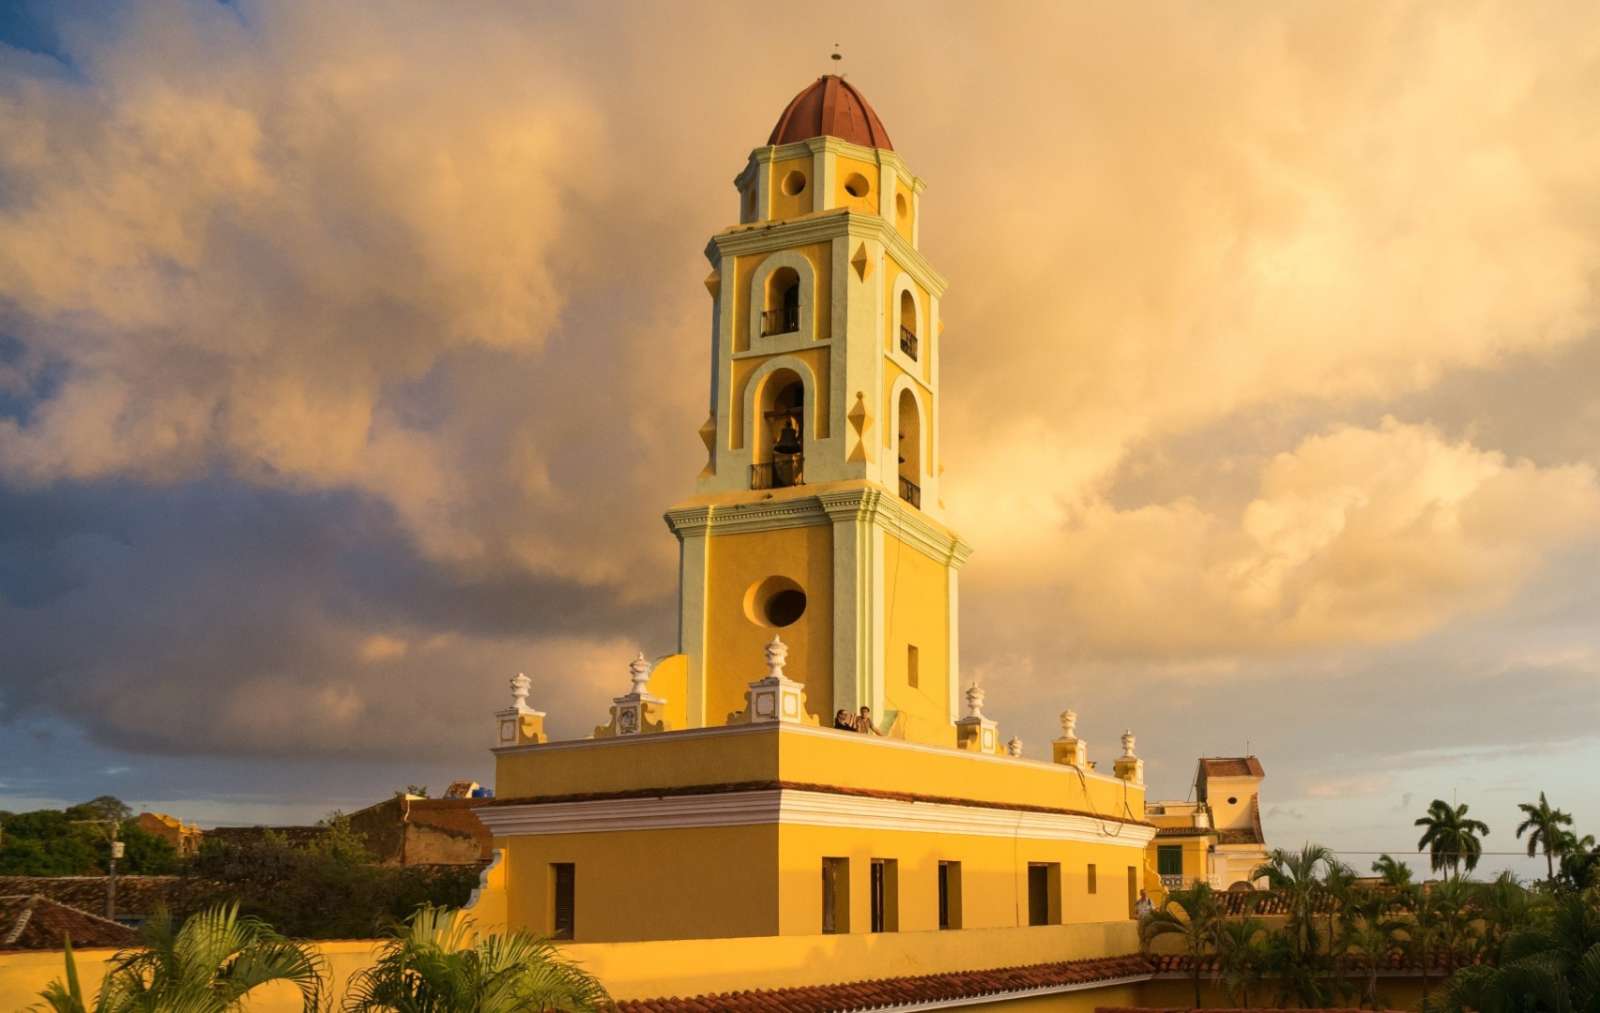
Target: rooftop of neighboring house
(35, 922)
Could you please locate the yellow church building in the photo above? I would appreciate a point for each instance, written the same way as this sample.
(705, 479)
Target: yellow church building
(817, 576)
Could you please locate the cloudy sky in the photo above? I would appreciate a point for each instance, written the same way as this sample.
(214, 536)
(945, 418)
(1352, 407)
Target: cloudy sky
(349, 354)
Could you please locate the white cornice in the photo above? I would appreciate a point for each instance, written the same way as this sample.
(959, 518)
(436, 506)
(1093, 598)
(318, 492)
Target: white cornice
(766, 236)
(797, 807)
(871, 502)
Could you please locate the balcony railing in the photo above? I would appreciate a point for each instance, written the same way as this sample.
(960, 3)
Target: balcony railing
(908, 341)
(911, 492)
(780, 321)
(783, 471)
(1172, 882)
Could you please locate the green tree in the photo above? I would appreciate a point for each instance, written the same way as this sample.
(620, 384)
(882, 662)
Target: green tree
(437, 962)
(1580, 863)
(210, 965)
(1242, 957)
(107, 808)
(1194, 915)
(1295, 877)
(1367, 937)
(48, 843)
(1543, 827)
(1553, 965)
(1394, 873)
(1451, 837)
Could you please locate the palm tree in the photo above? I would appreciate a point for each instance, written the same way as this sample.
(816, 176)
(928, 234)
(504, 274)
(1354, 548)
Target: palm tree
(1580, 861)
(438, 963)
(1367, 938)
(1294, 876)
(1201, 914)
(1543, 826)
(1394, 873)
(1241, 957)
(210, 965)
(1554, 966)
(1451, 837)
(1338, 881)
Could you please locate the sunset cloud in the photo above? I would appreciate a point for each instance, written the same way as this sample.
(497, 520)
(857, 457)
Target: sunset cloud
(350, 353)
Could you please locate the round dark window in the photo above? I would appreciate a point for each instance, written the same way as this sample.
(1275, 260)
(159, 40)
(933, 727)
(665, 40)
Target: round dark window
(1233, 800)
(786, 607)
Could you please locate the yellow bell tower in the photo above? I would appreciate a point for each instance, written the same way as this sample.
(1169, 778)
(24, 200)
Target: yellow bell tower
(817, 515)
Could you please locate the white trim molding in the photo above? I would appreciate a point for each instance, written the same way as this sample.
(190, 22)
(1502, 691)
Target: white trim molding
(799, 807)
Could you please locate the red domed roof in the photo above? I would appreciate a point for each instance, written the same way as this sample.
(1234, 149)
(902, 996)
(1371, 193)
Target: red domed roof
(831, 106)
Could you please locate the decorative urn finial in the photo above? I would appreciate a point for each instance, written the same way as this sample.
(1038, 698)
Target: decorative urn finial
(1069, 724)
(1127, 743)
(520, 685)
(639, 672)
(974, 701)
(1014, 746)
(777, 657)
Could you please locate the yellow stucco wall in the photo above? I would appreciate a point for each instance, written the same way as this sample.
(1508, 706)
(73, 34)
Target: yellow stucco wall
(816, 359)
(652, 884)
(844, 168)
(994, 877)
(784, 205)
(737, 561)
(916, 610)
(820, 257)
(811, 756)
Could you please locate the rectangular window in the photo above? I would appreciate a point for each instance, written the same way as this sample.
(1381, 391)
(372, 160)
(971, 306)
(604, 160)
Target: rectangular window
(912, 675)
(885, 895)
(563, 890)
(1044, 893)
(949, 895)
(835, 895)
(1133, 890)
(1093, 886)
(1169, 859)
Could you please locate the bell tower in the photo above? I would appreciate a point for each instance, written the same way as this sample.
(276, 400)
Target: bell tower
(817, 515)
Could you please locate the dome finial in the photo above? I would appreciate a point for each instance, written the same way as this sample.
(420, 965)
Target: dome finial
(836, 55)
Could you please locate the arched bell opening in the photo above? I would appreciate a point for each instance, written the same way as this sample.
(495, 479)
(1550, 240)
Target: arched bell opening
(780, 432)
(909, 435)
(781, 308)
(908, 323)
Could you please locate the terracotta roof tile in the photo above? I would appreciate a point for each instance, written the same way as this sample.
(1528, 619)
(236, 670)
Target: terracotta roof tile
(1231, 766)
(35, 922)
(136, 895)
(830, 106)
(889, 992)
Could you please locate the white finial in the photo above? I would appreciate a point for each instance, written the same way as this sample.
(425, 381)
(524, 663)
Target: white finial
(1069, 724)
(520, 685)
(639, 672)
(974, 701)
(1014, 746)
(777, 657)
(1127, 743)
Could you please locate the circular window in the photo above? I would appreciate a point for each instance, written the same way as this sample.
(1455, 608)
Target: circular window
(794, 182)
(857, 185)
(1233, 800)
(775, 601)
(902, 207)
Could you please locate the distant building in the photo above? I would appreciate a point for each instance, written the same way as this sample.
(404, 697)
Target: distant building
(184, 837)
(35, 922)
(1217, 837)
(409, 830)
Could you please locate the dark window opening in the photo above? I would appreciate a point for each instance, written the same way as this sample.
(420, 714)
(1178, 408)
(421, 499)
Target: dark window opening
(786, 607)
(564, 885)
(949, 895)
(1169, 859)
(835, 895)
(885, 890)
(913, 676)
(1093, 886)
(1038, 894)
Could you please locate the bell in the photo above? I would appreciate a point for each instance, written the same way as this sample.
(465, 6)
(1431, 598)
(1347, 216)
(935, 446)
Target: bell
(788, 439)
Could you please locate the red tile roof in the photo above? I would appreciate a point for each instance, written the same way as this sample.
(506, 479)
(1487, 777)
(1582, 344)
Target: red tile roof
(35, 922)
(136, 895)
(890, 992)
(1231, 766)
(830, 106)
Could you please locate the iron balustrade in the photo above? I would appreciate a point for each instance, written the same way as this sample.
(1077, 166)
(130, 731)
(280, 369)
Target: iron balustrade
(780, 321)
(908, 341)
(783, 471)
(911, 492)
